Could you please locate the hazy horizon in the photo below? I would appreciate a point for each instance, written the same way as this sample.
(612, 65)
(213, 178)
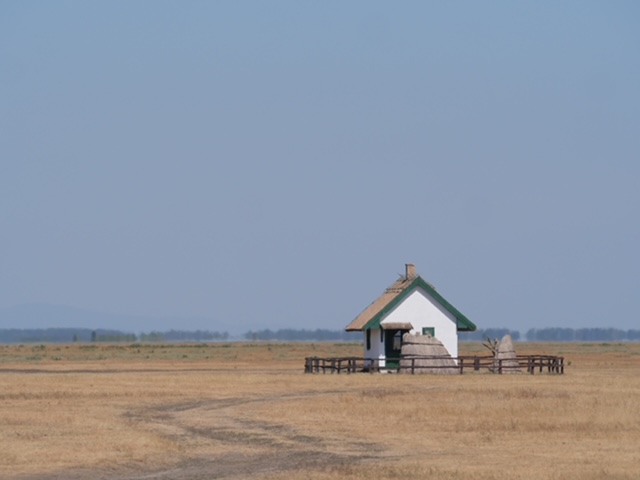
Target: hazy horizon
(275, 165)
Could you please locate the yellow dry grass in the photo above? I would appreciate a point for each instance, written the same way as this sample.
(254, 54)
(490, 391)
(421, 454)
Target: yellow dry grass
(248, 411)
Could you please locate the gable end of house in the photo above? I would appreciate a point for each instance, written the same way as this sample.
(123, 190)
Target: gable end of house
(463, 324)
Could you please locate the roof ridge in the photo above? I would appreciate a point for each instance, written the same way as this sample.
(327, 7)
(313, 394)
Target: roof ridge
(394, 289)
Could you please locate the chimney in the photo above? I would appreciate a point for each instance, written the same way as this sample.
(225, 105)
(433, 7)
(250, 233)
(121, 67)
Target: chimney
(410, 271)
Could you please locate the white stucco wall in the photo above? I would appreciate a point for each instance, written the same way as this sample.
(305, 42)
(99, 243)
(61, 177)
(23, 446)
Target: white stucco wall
(377, 347)
(421, 310)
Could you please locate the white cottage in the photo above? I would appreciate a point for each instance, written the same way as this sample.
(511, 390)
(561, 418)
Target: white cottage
(413, 305)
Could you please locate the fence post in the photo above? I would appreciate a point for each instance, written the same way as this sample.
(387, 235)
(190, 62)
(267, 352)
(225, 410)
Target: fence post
(308, 365)
(476, 363)
(500, 366)
(461, 365)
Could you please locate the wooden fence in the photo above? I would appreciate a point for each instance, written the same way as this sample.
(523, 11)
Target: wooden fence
(413, 365)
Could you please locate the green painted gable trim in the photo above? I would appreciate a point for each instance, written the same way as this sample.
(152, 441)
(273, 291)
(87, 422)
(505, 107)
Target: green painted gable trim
(463, 323)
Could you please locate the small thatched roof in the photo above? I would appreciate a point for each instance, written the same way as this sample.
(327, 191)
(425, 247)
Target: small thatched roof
(505, 356)
(396, 326)
(437, 358)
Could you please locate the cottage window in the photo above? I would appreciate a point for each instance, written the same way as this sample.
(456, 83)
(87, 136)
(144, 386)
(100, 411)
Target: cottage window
(368, 339)
(430, 330)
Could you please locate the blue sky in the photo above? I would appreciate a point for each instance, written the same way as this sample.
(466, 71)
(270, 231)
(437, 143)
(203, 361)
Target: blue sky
(275, 164)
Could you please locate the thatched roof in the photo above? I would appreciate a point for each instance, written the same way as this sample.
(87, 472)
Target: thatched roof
(371, 316)
(438, 359)
(390, 294)
(505, 356)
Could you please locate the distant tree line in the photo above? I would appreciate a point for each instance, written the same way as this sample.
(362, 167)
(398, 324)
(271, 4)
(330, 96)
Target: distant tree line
(111, 336)
(556, 335)
(491, 333)
(582, 335)
(184, 336)
(290, 334)
(62, 335)
(66, 335)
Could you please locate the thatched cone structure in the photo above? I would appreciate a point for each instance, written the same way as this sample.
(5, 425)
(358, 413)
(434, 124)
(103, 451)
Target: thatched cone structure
(440, 361)
(505, 355)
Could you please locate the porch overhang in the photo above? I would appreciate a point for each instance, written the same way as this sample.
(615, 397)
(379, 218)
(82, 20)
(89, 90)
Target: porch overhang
(396, 326)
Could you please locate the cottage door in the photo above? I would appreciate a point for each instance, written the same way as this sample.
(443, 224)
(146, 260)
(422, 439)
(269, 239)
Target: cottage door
(392, 347)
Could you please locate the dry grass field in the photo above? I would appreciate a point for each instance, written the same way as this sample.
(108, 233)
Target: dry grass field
(192, 412)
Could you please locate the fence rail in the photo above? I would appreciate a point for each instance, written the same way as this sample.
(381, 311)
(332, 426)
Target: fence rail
(413, 365)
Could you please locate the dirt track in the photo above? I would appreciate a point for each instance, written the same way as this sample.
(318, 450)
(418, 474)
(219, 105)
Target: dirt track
(257, 447)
